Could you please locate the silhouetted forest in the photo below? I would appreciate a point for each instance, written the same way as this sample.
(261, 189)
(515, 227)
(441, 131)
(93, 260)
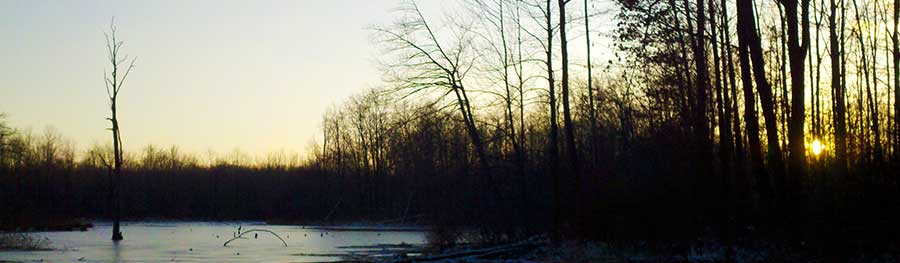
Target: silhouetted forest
(724, 119)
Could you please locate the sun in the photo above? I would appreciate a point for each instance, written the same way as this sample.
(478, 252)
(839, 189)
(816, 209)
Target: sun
(816, 147)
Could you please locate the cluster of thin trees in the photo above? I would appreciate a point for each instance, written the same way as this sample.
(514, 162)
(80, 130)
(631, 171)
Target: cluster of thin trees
(821, 73)
(668, 122)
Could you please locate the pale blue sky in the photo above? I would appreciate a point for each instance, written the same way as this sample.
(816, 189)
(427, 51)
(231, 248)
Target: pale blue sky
(210, 75)
(220, 75)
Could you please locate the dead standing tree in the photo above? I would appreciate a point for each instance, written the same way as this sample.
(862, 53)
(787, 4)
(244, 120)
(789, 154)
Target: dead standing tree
(114, 81)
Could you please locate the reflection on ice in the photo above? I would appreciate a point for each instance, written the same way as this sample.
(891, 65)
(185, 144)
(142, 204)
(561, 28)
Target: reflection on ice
(203, 242)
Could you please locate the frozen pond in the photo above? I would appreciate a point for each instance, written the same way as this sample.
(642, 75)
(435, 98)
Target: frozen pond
(203, 242)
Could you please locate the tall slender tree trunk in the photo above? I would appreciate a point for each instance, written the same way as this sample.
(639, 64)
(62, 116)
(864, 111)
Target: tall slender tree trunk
(701, 121)
(775, 156)
(748, 42)
(876, 122)
(740, 180)
(843, 73)
(869, 101)
(117, 171)
(523, 153)
(783, 99)
(895, 50)
(726, 143)
(567, 113)
(510, 119)
(797, 52)
(474, 135)
(683, 70)
(815, 77)
(838, 93)
(554, 129)
(592, 110)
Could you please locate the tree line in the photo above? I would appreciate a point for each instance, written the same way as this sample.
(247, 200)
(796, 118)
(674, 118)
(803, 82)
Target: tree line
(669, 124)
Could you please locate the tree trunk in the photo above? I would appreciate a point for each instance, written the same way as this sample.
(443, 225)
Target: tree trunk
(741, 182)
(775, 157)
(703, 145)
(746, 26)
(872, 111)
(474, 135)
(726, 146)
(510, 119)
(567, 113)
(838, 93)
(117, 171)
(554, 129)
(797, 52)
(896, 56)
(592, 110)
(726, 143)
(683, 71)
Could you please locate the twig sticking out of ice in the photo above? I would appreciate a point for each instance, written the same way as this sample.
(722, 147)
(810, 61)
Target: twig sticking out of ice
(255, 230)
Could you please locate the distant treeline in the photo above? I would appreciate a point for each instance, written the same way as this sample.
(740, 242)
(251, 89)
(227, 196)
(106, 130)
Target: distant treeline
(42, 180)
(707, 122)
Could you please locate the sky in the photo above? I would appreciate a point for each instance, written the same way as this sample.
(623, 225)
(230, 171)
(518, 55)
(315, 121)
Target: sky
(210, 75)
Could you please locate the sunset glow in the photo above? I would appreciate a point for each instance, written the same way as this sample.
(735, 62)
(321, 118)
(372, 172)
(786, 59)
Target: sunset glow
(816, 147)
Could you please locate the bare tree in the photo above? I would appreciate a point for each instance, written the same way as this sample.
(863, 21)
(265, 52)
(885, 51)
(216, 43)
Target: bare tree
(592, 109)
(114, 81)
(427, 65)
(797, 51)
(567, 112)
(748, 42)
(895, 52)
(701, 121)
(549, 28)
(738, 156)
(723, 102)
(544, 18)
(837, 90)
(495, 17)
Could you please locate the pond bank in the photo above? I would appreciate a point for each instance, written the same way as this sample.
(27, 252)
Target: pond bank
(540, 249)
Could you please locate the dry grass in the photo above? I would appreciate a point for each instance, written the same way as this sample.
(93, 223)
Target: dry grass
(23, 241)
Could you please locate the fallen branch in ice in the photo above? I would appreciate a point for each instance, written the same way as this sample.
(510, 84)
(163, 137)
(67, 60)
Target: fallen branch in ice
(255, 230)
